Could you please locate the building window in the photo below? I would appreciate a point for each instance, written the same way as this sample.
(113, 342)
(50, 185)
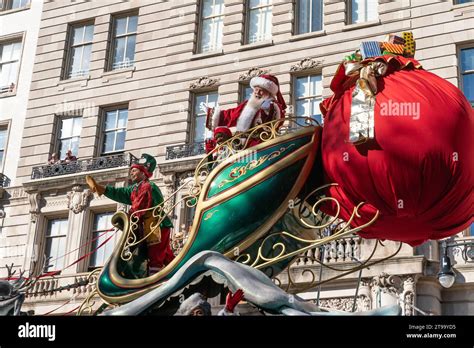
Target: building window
(310, 16)
(100, 233)
(69, 136)
(79, 53)
(115, 130)
(308, 95)
(245, 92)
(13, 4)
(212, 25)
(259, 20)
(56, 243)
(123, 43)
(3, 144)
(467, 73)
(363, 10)
(199, 119)
(10, 53)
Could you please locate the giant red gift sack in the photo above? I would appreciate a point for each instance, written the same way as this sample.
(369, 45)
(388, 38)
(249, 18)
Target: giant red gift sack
(418, 171)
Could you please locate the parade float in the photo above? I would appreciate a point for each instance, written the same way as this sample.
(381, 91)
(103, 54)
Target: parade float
(394, 161)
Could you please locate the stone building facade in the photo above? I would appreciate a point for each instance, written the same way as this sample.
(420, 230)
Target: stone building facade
(115, 79)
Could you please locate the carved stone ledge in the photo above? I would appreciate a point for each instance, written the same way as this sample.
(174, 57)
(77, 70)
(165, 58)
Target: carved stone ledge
(179, 165)
(204, 82)
(67, 182)
(306, 64)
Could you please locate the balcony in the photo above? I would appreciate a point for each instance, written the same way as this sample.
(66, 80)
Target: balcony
(185, 150)
(83, 165)
(4, 180)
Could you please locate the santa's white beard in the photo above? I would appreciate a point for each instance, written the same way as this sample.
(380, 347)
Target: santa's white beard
(247, 116)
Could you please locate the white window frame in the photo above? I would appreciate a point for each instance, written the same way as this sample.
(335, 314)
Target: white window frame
(351, 17)
(12, 39)
(243, 87)
(309, 98)
(297, 16)
(48, 221)
(456, 2)
(467, 72)
(6, 127)
(68, 74)
(197, 112)
(214, 34)
(93, 233)
(59, 134)
(261, 29)
(125, 63)
(115, 130)
(7, 5)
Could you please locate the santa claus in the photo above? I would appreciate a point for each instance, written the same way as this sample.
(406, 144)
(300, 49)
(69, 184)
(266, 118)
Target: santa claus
(264, 105)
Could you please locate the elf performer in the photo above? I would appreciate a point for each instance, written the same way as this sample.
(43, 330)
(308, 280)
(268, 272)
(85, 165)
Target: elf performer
(143, 194)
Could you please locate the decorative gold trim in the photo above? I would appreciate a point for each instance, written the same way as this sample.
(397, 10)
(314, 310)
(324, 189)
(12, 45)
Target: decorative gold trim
(210, 214)
(88, 303)
(340, 231)
(242, 170)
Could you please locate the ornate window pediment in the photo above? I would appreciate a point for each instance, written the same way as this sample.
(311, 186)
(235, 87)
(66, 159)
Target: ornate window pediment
(204, 82)
(306, 64)
(252, 72)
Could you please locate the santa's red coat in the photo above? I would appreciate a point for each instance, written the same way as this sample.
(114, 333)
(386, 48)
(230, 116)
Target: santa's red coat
(418, 172)
(229, 117)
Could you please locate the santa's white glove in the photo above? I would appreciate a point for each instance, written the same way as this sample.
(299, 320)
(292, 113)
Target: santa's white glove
(204, 107)
(266, 104)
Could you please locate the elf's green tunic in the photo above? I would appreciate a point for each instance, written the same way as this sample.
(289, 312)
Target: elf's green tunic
(124, 195)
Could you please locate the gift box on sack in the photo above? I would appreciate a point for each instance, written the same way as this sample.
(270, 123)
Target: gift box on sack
(393, 48)
(370, 49)
(409, 48)
(354, 57)
(394, 39)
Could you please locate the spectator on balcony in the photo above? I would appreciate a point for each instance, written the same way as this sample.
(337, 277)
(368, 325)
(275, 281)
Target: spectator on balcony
(69, 157)
(53, 159)
(264, 105)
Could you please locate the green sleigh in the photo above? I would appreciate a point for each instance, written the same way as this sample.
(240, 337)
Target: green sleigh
(241, 200)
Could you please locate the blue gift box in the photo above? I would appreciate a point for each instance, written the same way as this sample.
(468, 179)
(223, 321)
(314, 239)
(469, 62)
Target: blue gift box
(370, 49)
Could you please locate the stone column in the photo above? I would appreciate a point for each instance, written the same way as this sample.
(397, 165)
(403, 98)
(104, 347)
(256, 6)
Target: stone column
(364, 302)
(408, 295)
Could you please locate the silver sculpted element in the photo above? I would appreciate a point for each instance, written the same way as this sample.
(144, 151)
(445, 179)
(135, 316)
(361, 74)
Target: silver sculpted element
(259, 290)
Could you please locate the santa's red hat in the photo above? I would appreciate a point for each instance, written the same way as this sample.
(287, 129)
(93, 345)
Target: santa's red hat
(269, 83)
(222, 130)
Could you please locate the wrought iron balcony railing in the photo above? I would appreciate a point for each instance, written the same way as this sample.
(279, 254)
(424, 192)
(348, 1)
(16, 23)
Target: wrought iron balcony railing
(4, 180)
(185, 150)
(84, 165)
